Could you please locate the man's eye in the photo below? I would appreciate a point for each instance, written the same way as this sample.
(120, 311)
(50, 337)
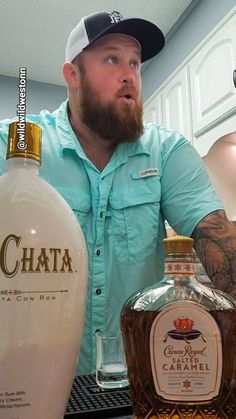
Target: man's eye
(135, 64)
(112, 60)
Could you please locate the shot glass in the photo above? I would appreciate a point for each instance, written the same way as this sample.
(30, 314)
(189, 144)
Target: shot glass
(111, 368)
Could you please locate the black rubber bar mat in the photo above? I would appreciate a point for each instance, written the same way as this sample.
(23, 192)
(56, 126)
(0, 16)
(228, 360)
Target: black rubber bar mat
(88, 401)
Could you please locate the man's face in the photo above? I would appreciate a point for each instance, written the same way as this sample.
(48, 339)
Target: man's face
(110, 91)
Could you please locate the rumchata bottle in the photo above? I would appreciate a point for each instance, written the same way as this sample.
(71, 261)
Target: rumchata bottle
(43, 285)
(180, 343)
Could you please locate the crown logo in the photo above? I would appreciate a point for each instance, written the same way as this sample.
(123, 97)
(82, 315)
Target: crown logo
(183, 325)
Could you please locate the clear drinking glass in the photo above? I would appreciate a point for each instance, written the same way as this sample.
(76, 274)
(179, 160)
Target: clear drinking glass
(111, 368)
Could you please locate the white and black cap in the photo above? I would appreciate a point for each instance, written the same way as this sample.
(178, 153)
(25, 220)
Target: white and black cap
(97, 25)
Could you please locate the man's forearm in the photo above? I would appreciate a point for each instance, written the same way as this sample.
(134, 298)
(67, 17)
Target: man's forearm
(215, 243)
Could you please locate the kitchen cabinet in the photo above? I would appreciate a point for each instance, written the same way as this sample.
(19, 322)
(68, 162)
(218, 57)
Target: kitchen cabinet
(199, 99)
(211, 78)
(170, 106)
(153, 110)
(176, 111)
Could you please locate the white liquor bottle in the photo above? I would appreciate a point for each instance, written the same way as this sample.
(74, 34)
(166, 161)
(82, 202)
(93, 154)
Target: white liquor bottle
(43, 286)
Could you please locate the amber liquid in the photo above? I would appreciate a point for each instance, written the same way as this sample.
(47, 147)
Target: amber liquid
(147, 404)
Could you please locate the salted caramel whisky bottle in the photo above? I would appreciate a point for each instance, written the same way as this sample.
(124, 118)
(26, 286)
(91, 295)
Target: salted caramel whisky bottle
(43, 282)
(180, 343)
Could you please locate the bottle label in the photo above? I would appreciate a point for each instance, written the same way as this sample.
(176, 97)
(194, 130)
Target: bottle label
(186, 353)
(42, 297)
(180, 267)
(16, 258)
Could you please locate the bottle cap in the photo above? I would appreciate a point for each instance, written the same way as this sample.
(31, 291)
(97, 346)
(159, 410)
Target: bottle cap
(178, 244)
(24, 140)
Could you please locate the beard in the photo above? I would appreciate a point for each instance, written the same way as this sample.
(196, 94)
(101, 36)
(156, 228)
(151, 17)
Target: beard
(109, 121)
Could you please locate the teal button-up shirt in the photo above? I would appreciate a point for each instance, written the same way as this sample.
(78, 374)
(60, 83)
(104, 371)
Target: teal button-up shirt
(122, 210)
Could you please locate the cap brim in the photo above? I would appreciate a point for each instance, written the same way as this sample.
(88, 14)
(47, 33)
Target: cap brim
(147, 34)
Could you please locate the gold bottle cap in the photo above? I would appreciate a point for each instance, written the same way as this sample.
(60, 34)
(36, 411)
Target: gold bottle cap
(24, 140)
(178, 244)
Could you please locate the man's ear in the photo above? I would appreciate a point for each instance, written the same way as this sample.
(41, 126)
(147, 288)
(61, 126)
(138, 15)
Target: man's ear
(71, 75)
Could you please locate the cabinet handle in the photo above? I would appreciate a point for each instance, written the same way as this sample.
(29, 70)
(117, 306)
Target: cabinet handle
(234, 78)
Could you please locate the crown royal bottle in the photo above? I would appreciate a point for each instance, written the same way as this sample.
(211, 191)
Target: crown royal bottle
(43, 282)
(180, 343)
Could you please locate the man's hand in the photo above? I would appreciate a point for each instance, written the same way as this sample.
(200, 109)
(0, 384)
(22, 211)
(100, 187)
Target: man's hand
(215, 244)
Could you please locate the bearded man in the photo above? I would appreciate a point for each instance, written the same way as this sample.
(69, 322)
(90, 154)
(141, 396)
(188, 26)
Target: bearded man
(124, 180)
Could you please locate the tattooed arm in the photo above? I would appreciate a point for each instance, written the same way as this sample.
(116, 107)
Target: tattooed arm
(215, 243)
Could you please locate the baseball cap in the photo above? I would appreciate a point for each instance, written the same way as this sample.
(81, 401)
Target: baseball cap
(97, 25)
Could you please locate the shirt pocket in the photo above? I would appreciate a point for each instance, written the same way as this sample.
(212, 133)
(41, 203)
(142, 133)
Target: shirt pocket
(79, 202)
(134, 220)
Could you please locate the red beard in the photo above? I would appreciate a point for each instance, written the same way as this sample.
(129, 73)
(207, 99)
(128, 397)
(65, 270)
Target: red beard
(116, 122)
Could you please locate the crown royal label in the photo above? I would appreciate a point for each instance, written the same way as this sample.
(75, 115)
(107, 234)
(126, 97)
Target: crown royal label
(186, 353)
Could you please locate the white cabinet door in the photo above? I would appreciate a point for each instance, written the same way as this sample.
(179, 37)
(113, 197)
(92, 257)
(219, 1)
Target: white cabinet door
(176, 104)
(211, 75)
(152, 110)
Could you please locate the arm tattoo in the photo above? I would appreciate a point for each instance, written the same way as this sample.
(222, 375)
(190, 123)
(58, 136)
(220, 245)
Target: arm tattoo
(215, 244)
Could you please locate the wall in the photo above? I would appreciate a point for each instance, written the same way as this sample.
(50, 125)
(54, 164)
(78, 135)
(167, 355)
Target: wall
(39, 96)
(201, 21)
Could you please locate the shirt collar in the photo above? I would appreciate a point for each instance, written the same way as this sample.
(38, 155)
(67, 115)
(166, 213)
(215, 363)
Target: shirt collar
(68, 139)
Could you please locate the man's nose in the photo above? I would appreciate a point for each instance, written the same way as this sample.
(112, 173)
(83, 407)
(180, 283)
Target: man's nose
(128, 75)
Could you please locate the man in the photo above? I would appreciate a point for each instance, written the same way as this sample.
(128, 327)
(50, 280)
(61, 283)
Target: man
(122, 180)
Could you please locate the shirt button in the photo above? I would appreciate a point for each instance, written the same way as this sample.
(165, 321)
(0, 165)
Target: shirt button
(101, 214)
(98, 291)
(98, 252)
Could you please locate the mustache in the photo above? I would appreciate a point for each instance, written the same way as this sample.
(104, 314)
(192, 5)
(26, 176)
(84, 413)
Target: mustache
(130, 91)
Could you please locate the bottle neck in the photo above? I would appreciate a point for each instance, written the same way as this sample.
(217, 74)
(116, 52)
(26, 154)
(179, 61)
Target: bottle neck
(179, 264)
(23, 163)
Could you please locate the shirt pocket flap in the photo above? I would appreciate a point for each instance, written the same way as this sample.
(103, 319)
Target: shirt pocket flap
(143, 191)
(77, 200)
